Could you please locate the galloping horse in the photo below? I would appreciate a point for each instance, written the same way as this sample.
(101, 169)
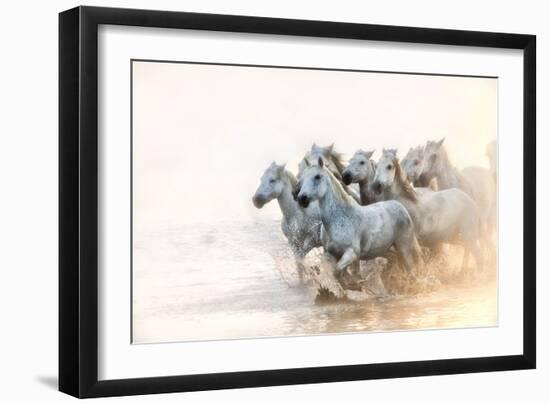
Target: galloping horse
(302, 228)
(333, 161)
(448, 216)
(357, 232)
(361, 170)
(477, 182)
(412, 164)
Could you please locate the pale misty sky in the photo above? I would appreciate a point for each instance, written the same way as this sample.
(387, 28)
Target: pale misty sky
(203, 135)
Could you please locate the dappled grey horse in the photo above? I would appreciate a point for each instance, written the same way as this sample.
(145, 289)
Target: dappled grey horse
(448, 216)
(361, 170)
(302, 228)
(357, 232)
(334, 162)
(476, 181)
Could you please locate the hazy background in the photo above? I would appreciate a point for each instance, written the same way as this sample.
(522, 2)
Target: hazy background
(203, 135)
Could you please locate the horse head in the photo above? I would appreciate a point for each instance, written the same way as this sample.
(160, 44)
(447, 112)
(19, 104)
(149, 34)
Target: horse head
(434, 155)
(332, 159)
(413, 163)
(271, 185)
(359, 168)
(390, 173)
(313, 183)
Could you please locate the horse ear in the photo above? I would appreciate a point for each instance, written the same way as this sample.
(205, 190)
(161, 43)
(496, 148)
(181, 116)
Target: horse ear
(440, 142)
(307, 162)
(369, 154)
(330, 147)
(321, 162)
(281, 168)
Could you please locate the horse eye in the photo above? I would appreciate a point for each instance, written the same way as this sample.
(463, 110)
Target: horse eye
(272, 181)
(389, 167)
(362, 163)
(317, 177)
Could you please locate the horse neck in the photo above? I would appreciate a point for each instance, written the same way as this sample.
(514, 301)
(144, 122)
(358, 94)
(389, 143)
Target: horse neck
(448, 176)
(364, 192)
(334, 204)
(395, 191)
(364, 184)
(288, 205)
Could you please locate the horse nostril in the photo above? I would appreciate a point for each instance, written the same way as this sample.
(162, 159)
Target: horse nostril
(377, 187)
(303, 200)
(346, 177)
(257, 201)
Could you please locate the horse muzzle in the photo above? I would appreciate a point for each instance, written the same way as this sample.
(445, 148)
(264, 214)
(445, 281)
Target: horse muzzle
(258, 201)
(377, 187)
(346, 177)
(303, 201)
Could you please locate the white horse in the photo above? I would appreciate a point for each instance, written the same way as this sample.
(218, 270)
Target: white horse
(357, 232)
(475, 181)
(412, 164)
(448, 216)
(361, 170)
(333, 161)
(302, 228)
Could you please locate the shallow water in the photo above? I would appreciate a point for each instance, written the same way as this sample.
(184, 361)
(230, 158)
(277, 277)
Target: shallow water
(236, 280)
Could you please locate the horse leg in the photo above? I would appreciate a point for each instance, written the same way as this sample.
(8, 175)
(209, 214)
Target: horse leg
(299, 256)
(478, 255)
(355, 268)
(409, 260)
(417, 255)
(409, 250)
(347, 259)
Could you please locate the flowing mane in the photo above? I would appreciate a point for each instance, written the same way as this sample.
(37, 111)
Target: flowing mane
(291, 179)
(337, 160)
(337, 186)
(444, 156)
(401, 179)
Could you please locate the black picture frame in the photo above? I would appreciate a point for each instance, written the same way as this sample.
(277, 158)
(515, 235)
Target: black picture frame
(78, 201)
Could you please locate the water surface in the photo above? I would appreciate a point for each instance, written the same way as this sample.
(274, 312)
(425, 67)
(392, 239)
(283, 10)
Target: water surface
(235, 280)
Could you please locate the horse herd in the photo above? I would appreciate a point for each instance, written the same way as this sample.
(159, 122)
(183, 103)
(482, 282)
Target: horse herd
(369, 209)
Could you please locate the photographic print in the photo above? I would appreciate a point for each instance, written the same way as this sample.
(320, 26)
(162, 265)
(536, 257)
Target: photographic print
(272, 201)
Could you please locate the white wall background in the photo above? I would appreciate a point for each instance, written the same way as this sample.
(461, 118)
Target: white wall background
(28, 207)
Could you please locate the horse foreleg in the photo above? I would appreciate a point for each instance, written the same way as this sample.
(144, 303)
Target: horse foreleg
(299, 255)
(355, 268)
(478, 255)
(347, 259)
(300, 267)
